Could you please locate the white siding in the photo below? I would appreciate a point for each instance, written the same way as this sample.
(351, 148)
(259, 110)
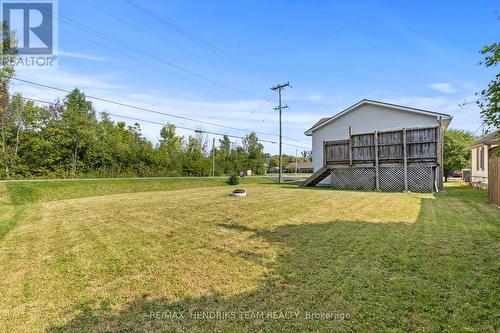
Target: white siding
(479, 172)
(365, 119)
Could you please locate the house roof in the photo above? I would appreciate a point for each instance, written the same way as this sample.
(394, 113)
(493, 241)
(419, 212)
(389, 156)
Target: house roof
(301, 165)
(324, 121)
(319, 122)
(488, 140)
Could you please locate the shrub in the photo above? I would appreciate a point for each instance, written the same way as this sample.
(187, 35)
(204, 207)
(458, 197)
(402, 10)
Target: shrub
(173, 173)
(233, 180)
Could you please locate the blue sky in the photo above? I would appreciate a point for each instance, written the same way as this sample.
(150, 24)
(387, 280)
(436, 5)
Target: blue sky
(417, 53)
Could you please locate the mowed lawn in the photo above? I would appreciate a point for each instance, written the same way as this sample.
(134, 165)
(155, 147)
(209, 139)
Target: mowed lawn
(186, 257)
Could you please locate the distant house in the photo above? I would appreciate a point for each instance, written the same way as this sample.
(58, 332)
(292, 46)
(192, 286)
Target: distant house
(481, 151)
(302, 167)
(379, 146)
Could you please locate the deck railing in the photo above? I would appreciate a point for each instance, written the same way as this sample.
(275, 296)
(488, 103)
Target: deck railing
(416, 145)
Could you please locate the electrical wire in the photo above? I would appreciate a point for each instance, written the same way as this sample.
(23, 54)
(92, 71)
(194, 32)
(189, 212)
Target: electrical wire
(180, 127)
(129, 47)
(190, 36)
(145, 31)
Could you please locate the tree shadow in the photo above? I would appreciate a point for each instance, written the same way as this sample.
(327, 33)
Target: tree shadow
(336, 276)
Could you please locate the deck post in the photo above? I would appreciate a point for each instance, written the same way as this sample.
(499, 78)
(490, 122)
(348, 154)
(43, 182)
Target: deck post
(440, 153)
(405, 159)
(377, 180)
(324, 153)
(350, 146)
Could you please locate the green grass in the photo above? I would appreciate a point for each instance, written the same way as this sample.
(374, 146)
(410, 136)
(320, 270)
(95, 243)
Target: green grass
(126, 262)
(43, 191)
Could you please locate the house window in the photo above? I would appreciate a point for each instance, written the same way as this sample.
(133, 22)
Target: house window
(482, 158)
(477, 158)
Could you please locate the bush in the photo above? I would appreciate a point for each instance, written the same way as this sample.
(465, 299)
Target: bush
(173, 173)
(233, 180)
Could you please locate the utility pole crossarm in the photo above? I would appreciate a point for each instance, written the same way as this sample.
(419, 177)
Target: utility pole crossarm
(283, 107)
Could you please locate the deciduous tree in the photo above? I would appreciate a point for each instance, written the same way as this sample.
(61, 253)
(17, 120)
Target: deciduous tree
(455, 155)
(490, 97)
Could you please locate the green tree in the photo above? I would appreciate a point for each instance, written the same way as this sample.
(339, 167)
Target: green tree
(224, 162)
(79, 123)
(7, 71)
(306, 155)
(490, 97)
(256, 160)
(27, 121)
(170, 150)
(195, 162)
(455, 156)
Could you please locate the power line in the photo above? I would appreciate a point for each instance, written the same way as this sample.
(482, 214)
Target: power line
(160, 38)
(149, 64)
(473, 101)
(140, 108)
(105, 37)
(141, 52)
(156, 67)
(192, 37)
(138, 51)
(148, 109)
(180, 127)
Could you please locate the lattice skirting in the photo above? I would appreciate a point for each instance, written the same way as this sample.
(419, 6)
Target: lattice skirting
(420, 179)
(354, 179)
(391, 178)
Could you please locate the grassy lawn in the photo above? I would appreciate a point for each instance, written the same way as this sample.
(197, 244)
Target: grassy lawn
(157, 256)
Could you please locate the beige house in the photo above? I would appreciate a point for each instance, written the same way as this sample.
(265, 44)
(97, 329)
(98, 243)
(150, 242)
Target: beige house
(302, 167)
(481, 151)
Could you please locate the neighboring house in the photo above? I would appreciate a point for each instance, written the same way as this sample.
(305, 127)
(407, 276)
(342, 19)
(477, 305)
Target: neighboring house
(302, 167)
(344, 146)
(480, 152)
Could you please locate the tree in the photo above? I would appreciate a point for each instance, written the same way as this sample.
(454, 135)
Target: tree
(224, 163)
(455, 155)
(490, 97)
(307, 155)
(256, 160)
(7, 71)
(79, 123)
(171, 150)
(195, 162)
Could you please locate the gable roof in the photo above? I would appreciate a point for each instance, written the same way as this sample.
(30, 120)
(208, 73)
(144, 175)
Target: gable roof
(319, 122)
(488, 140)
(324, 121)
(301, 165)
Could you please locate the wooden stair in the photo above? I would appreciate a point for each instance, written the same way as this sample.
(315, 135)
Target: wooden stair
(318, 176)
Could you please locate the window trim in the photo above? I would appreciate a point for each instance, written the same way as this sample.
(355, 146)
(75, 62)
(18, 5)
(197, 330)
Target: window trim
(477, 159)
(482, 158)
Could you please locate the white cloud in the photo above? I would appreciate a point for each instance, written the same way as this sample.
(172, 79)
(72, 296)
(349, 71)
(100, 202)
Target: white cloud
(420, 102)
(80, 56)
(446, 88)
(252, 114)
(464, 117)
(312, 97)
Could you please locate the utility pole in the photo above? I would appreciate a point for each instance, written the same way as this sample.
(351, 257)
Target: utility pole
(279, 108)
(213, 157)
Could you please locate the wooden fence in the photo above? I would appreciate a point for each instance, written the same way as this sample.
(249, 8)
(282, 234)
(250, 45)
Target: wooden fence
(494, 180)
(413, 145)
(399, 160)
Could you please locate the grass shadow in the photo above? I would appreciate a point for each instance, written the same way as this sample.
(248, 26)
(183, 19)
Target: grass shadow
(360, 276)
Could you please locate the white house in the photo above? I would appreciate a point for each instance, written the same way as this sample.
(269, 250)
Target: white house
(480, 151)
(368, 116)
